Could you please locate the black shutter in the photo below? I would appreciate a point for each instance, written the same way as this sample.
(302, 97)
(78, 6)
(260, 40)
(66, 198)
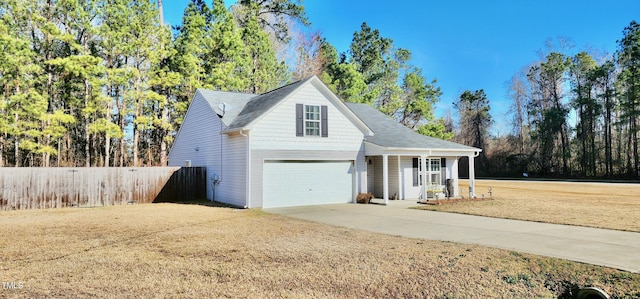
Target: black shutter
(324, 126)
(299, 120)
(443, 170)
(416, 177)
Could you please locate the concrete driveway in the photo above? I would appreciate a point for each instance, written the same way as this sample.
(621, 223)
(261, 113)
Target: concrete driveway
(615, 249)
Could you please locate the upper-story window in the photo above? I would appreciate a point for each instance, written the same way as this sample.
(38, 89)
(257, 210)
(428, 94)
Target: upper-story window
(311, 120)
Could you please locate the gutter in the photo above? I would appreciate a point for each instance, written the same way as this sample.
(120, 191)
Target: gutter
(475, 150)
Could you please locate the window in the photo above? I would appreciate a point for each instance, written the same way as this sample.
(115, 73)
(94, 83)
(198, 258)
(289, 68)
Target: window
(435, 164)
(433, 171)
(311, 120)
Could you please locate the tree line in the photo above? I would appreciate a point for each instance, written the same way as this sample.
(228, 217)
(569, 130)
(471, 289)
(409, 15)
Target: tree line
(573, 115)
(106, 83)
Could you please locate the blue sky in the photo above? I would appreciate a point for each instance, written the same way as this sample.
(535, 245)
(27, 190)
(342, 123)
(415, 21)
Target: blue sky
(468, 44)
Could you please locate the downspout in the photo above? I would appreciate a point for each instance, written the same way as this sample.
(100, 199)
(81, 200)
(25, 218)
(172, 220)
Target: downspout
(248, 170)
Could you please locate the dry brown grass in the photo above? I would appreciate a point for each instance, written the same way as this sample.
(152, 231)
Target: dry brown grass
(172, 250)
(602, 205)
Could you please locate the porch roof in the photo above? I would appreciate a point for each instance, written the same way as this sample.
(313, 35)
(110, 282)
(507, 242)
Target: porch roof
(392, 135)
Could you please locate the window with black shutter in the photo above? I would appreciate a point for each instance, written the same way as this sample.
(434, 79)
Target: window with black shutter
(312, 120)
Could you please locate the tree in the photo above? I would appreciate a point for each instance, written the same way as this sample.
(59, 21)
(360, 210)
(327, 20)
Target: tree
(273, 15)
(582, 81)
(310, 59)
(550, 113)
(628, 56)
(418, 99)
(475, 119)
(372, 73)
(190, 47)
(265, 71)
(341, 76)
(226, 58)
(369, 52)
(520, 94)
(603, 77)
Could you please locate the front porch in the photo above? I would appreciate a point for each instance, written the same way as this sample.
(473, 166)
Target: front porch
(415, 176)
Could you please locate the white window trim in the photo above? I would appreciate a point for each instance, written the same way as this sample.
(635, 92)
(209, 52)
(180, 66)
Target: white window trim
(429, 171)
(309, 121)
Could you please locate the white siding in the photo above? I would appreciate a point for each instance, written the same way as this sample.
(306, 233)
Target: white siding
(277, 130)
(378, 187)
(232, 187)
(377, 176)
(201, 130)
(413, 192)
(409, 191)
(393, 176)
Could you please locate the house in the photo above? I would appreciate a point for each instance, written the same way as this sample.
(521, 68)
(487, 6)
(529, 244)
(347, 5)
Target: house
(301, 145)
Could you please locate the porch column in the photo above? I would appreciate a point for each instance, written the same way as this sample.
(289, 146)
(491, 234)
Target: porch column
(400, 192)
(354, 182)
(472, 177)
(385, 178)
(456, 177)
(423, 165)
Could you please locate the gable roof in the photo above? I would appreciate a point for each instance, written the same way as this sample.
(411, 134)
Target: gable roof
(241, 110)
(261, 104)
(391, 134)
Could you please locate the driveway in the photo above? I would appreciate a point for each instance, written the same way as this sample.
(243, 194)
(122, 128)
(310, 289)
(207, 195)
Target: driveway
(615, 249)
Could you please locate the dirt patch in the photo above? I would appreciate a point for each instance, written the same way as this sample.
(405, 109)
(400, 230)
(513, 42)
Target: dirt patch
(194, 251)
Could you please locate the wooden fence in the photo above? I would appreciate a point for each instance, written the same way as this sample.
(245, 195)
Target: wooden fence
(39, 187)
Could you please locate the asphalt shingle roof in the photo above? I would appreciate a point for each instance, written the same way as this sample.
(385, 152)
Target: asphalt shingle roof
(259, 105)
(240, 109)
(389, 133)
(233, 103)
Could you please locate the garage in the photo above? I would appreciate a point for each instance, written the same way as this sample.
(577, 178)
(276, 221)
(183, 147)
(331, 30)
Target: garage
(302, 183)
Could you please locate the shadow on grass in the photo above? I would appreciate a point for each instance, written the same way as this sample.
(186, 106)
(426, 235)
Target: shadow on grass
(200, 202)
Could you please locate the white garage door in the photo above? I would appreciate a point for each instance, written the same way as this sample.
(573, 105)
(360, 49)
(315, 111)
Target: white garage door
(301, 183)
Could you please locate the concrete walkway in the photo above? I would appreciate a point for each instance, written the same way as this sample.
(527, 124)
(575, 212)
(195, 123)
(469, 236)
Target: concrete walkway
(615, 249)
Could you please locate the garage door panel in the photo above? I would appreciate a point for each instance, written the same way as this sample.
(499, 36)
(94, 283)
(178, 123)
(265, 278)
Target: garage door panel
(298, 183)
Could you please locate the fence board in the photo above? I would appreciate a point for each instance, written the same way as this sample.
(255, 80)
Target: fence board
(39, 187)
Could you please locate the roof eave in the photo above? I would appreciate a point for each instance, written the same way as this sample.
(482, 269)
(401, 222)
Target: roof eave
(432, 149)
(234, 130)
(423, 149)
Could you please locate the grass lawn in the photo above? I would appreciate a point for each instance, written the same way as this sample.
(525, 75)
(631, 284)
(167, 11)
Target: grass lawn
(174, 250)
(601, 205)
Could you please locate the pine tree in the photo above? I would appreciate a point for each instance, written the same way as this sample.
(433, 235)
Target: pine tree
(227, 54)
(265, 71)
(628, 56)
